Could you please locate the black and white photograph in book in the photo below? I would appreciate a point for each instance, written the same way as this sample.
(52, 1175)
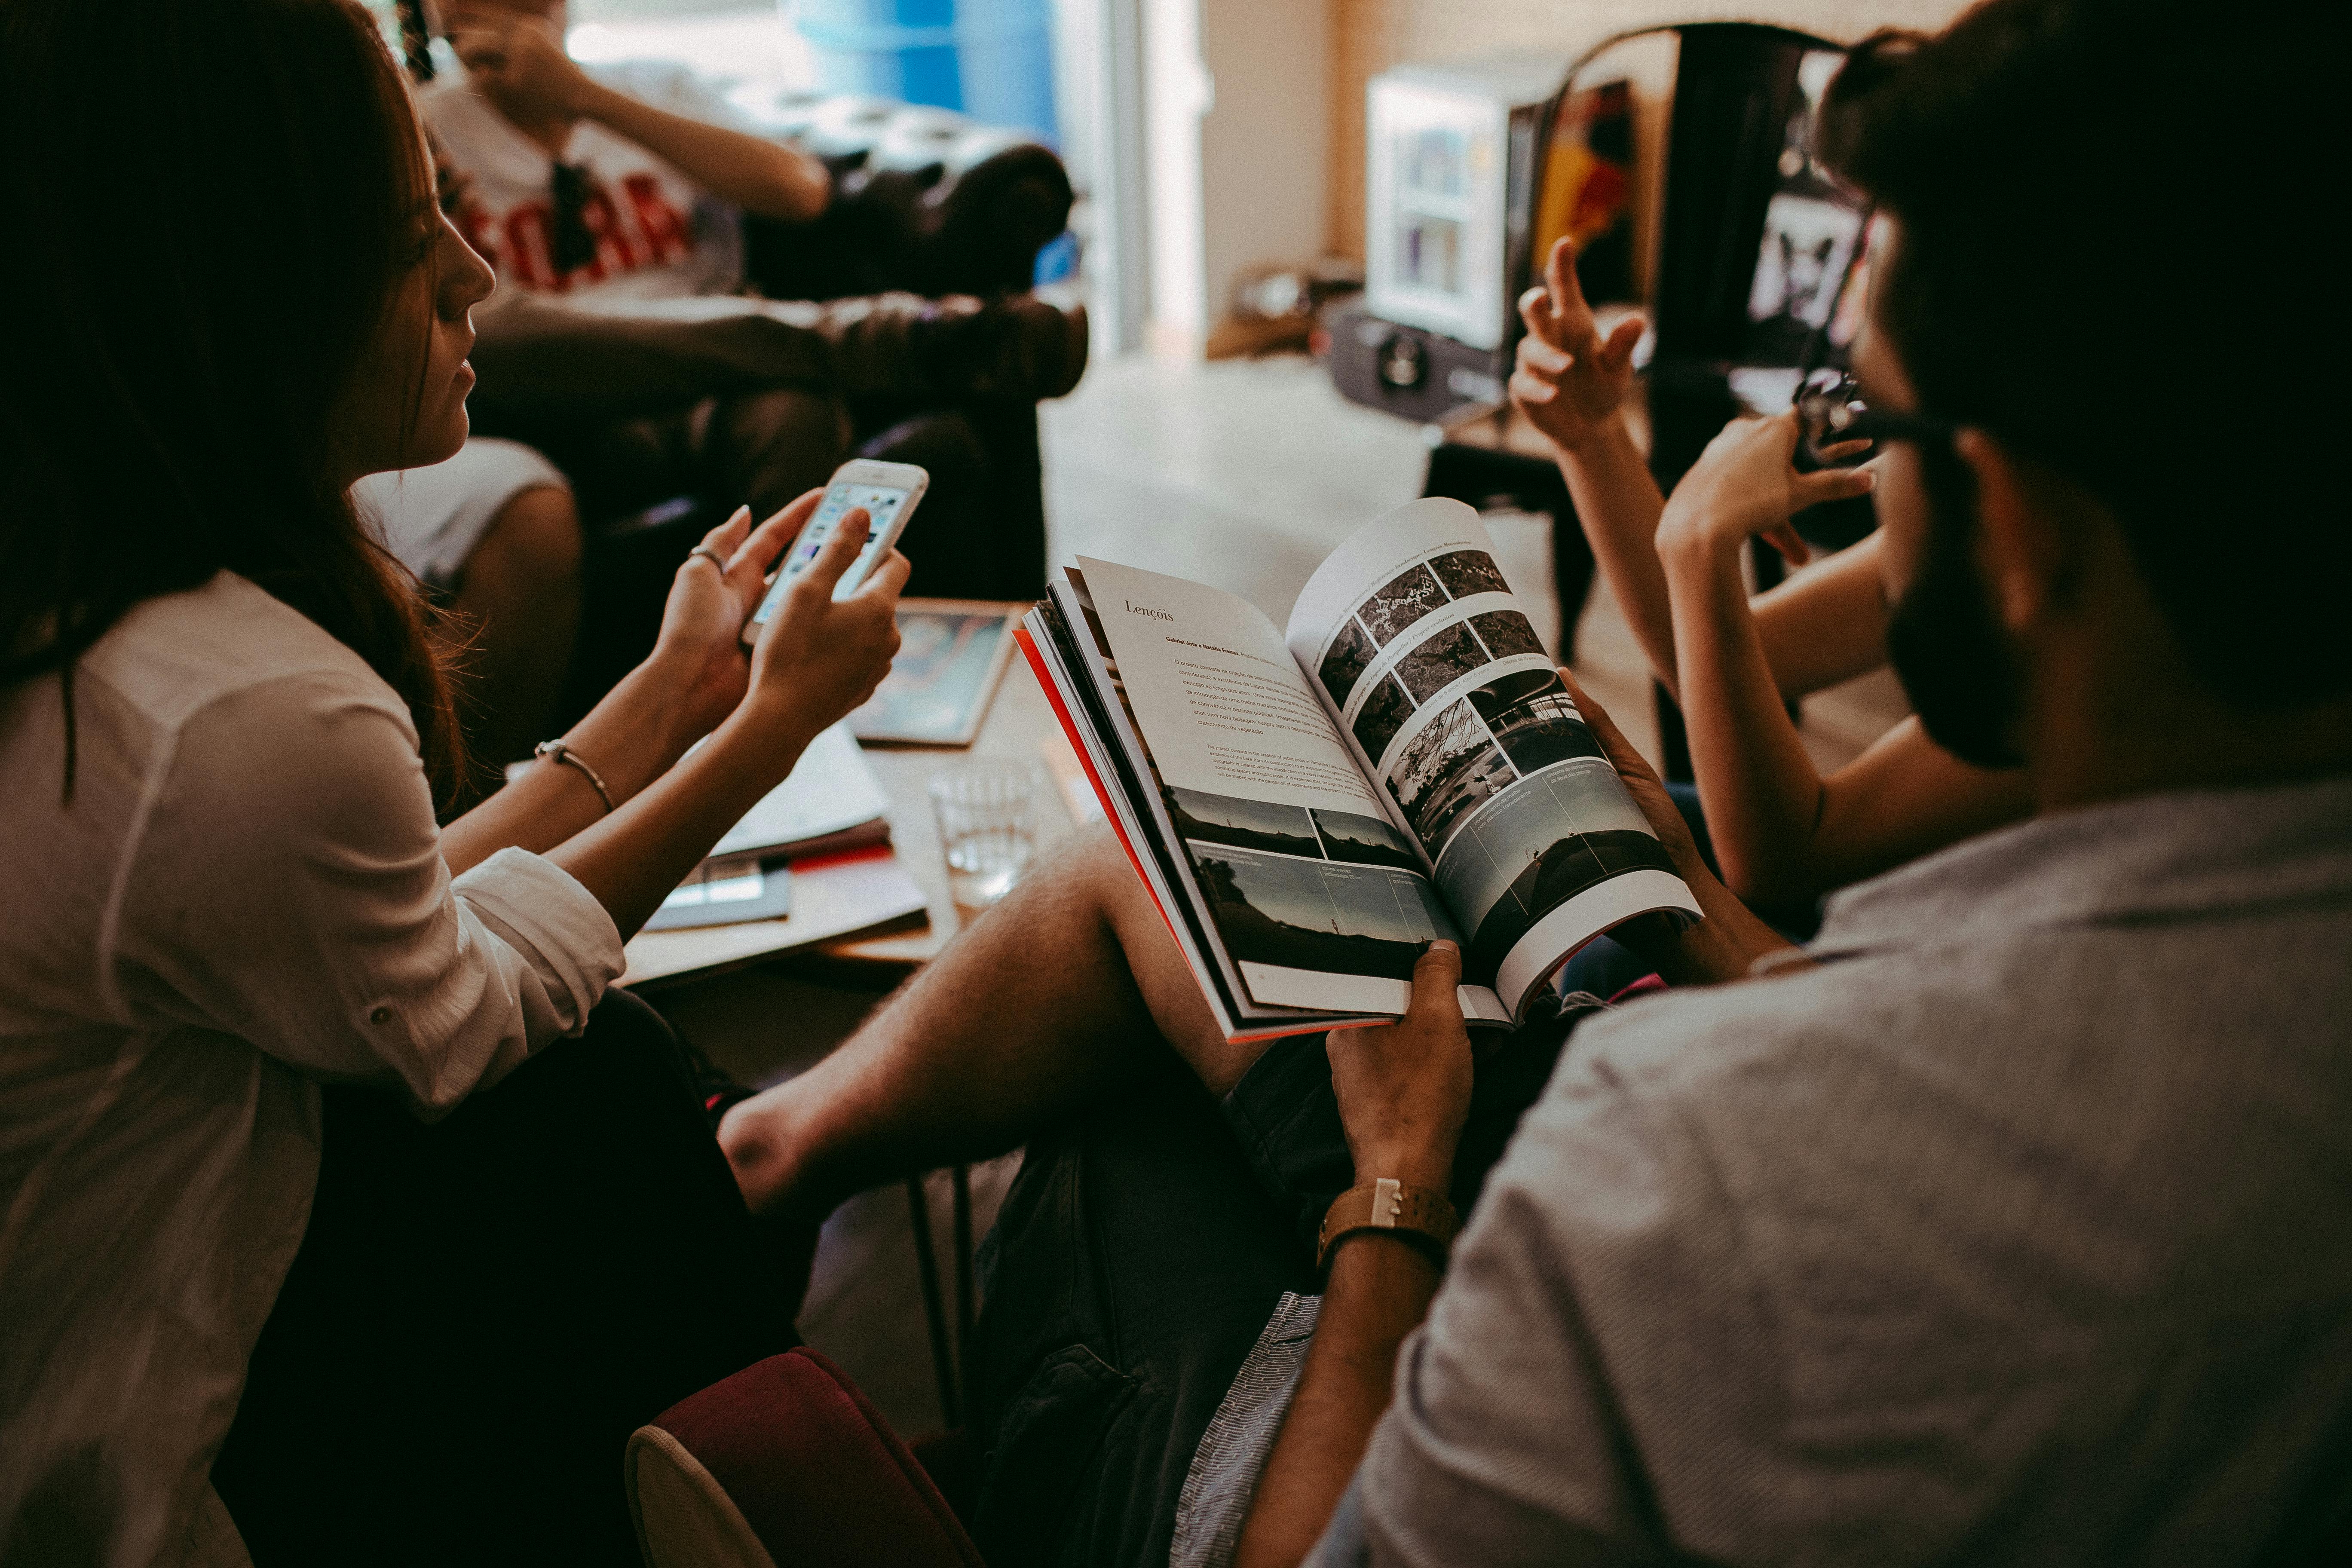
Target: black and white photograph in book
(1251, 824)
(1533, 719)
(1468, 571)
(1506, 634)
(1563, 831)
(1382, 716)
(1404, 600)
(1367, 840)
(1439, 659)
(1313, 914)
(1350, 652)
(1448, 770)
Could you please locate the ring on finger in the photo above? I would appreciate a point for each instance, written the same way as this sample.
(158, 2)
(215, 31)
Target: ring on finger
(711, 555)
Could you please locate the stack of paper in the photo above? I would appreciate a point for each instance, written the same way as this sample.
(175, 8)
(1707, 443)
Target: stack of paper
(830, 803)
(829, 809)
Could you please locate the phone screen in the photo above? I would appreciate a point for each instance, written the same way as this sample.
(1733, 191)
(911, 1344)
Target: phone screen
(881, 503)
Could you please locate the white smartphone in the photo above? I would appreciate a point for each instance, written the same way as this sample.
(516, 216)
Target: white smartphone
(888, 492)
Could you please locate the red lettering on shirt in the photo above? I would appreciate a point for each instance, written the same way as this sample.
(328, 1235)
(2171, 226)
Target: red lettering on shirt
(642, 229)
(613, 253)
(527, 250)
(475, 225)
(662, 226)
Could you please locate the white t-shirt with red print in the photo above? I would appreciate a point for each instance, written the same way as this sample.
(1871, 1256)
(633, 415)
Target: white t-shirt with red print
(658, 234)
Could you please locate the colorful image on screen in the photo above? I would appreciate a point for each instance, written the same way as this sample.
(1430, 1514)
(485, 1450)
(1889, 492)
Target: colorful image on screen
(881, 503)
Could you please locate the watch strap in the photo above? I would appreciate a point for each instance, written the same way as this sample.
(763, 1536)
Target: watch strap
(1417, 1215)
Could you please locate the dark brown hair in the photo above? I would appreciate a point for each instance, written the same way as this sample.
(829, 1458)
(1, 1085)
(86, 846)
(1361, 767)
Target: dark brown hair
(217, 203)
(2114, 258)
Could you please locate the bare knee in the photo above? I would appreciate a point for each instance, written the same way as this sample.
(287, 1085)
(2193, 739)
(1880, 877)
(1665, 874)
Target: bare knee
(1090, 869)
(531, 547)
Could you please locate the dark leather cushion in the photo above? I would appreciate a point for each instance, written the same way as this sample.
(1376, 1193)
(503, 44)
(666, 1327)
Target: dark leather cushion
(930, 230)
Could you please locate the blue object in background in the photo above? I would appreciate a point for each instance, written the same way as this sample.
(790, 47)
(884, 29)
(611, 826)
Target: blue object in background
(993, 59)
(1058, 258)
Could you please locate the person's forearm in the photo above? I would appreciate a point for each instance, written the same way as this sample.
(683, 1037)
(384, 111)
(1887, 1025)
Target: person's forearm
(1759, 789)
(1724, 945)
(631, 861)
(1379, 1292)
(631, 738)
(1904, 798)
(1618, 505)
(754, 173)
(1826, 624)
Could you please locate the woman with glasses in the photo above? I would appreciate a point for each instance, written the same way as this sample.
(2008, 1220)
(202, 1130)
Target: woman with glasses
(322, 1237)
(1784, 832)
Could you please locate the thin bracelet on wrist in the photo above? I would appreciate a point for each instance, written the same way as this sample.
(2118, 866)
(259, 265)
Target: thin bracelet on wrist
(557, 752)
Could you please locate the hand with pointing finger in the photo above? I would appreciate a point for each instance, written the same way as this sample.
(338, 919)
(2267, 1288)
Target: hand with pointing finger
(1569, 380)
(519, 63)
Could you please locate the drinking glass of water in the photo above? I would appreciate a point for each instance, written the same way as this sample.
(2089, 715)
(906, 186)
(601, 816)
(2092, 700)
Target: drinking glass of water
(988, 830)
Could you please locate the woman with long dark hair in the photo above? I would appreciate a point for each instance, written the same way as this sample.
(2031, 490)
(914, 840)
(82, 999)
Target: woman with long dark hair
(239, 1311)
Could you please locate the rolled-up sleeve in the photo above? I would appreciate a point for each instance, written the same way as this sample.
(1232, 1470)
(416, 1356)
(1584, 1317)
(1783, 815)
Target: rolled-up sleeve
(284, 884)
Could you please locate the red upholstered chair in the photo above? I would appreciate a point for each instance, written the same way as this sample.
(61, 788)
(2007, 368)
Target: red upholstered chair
(785, 1465)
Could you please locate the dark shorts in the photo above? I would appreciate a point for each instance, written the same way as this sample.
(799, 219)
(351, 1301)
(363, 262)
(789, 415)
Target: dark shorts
(1140, 1253)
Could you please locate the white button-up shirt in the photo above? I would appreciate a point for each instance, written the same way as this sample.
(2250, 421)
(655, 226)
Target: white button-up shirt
(244, 895)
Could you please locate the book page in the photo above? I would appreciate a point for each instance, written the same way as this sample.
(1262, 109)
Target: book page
(1318, 897)
(1218, 695)
(1410, 637)
(829, 791)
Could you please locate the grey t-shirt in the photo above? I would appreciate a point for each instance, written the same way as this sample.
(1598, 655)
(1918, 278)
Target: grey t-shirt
(2018, 1231)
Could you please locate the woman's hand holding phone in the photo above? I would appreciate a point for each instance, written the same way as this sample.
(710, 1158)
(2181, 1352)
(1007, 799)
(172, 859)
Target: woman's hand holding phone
(809, 659)
(814, 660)
(699, 665)
(818, 657)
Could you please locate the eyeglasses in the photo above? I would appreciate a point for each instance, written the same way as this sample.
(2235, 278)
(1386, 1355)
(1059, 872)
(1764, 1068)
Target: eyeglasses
(573, 244)
(1831, 411)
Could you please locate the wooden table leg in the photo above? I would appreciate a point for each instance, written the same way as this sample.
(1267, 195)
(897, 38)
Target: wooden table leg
(935, 1315)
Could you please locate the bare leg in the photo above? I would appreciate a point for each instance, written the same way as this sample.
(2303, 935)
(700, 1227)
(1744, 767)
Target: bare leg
(1045, 1001)
(520, 590)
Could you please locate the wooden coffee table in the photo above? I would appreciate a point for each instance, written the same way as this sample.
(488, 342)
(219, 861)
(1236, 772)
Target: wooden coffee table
(1017, 729)
(1019, 725)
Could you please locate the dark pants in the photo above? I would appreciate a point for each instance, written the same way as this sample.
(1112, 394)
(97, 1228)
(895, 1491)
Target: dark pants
(1137, 1257)
(760, 400)
(483, 1311)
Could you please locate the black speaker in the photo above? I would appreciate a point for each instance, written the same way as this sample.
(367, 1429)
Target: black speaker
(1408, 371)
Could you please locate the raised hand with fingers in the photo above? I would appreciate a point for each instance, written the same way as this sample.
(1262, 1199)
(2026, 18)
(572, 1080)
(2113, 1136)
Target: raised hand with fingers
(1746, 483)
(519, 63)
(1569, 380)
(1404, 1088)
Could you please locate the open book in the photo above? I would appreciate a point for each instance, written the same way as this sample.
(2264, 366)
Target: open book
(1311, 807)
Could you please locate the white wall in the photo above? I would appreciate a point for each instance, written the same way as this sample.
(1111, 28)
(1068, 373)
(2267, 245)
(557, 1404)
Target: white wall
(1263, 144)
(1177, 93)
(1237, 118)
